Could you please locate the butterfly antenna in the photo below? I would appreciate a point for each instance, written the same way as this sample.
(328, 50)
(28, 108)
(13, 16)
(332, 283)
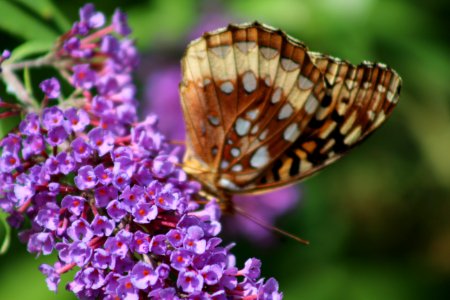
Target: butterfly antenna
(268, 226)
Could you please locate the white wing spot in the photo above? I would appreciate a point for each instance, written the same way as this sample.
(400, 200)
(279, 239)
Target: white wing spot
(235, 152)
(289, 64)
(260, 157)
(249, 81)
(245, 46)
(268, 53)
(291, 132)
(276, 96)
(263, 134)
(380, 118)
(255, 129)
(224, 164)
(252, 114)
(267, 80)
(305, 83)
(381, 88)
(349, 83)
(353, 136)
(237, 168)
(214, 151)
(311, 104)
(227, 184)
(221, 51)
(213, 120)
(367, 84)
(227, 87)
(285, 112)
(242, 126)
(206, 81)
(390, 96)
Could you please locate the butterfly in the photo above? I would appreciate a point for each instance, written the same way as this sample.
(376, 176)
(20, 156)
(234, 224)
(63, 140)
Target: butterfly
(262, 111)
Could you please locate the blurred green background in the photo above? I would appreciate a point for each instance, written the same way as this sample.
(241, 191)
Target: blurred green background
(379, 220)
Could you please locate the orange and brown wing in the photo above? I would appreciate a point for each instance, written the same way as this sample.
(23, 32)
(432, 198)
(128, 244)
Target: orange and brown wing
(262, 111)
(358, 100)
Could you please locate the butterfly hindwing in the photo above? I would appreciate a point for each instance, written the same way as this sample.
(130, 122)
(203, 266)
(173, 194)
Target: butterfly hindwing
(359, 99)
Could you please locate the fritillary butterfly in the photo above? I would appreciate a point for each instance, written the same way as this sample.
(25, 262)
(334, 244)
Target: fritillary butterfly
(262, 111)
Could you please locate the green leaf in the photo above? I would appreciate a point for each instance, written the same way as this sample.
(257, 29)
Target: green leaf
(48, 11)
(30, 48)
(7, 124)
(21, 24)
(5, 234)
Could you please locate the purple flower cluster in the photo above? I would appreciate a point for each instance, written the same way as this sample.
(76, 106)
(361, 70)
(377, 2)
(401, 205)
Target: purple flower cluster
(106, 193)
(123, 212)
(103, 59)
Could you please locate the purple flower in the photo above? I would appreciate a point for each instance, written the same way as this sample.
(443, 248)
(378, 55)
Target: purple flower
(212, 274)
(83, 76)
(105, 194)
(101, 140)
(86, 178)
(121, 181)
(6, 54)
(132, 196)
(252, 268)
(126, 289)
(190, 281)
(32, 145)
(51, 88)
(141, 242)
(42, 242)
(103, 174)
(116, 210)
(102, 226)
(81, 150)
(48, 216)
(193, 240)
(52, 276)
(30, 125)
(120, 23)
(119, 245)
(143, 275)
(66, 163)
(52, 117)
(77, 118)
(8, 162)
(175, 237)
(269, 291)
(80, 253)
(75, 204)
(90, 17)
(158, 244)
(143, 213)
(52, 165)
(11, 144)
(80, 230)
(180, 259)
(101, 259)
(56, 135)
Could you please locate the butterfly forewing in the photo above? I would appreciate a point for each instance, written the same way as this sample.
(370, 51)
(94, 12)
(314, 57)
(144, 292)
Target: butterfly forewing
(262, 111)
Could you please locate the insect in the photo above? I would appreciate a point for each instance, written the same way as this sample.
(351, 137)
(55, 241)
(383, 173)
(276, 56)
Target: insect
(262, 111)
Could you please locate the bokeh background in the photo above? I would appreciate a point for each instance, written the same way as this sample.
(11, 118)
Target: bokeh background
(379, 219)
